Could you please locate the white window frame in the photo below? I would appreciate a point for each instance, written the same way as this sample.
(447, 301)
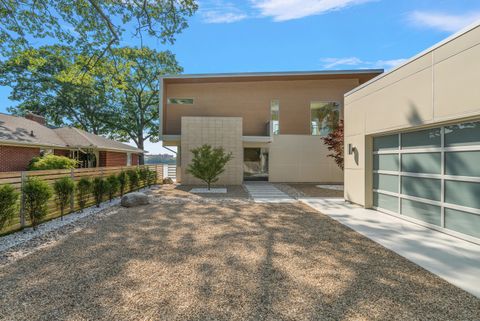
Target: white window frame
(129, 159)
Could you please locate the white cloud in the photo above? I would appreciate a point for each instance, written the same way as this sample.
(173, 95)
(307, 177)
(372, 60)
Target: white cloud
(443, 21)
(331, 63)
(218, 11)
(283, 10)
(222, 17)
(334, 62)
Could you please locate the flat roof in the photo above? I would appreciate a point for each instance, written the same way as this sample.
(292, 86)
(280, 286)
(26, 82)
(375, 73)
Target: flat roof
(421, 54)
(362, 74)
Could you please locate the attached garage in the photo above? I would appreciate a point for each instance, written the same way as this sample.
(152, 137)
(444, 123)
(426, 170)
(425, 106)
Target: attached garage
(412, 139)
(431, 176)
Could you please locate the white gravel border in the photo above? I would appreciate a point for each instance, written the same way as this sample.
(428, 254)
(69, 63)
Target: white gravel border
(27, 234)
(332, 187)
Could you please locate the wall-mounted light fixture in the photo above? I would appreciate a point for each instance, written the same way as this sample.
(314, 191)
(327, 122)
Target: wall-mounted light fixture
(350, 149)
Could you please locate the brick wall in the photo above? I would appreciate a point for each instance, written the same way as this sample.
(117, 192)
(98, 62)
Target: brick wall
(108, 159)
(61, 152)
(14, 158)
(135, 159)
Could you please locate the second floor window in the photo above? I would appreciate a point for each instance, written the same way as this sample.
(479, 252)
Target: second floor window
(324, 117)
(274, 116)
(180, 101)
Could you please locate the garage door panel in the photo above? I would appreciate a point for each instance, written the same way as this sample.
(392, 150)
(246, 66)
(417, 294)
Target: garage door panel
(462, 222)
(422, 163)
(427, 188)
(386, 202)
(424, 212)
(463, 193)
(463, 163)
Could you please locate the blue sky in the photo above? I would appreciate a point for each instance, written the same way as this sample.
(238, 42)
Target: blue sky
(295, 35)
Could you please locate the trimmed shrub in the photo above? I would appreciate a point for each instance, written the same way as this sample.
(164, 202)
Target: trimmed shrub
(84, 188)
(8, 204)
(99, 189)
(36, 194)
(123, 182)
(112, 186)
(51, 162)
(64, 190)
(152, 178)
(133, 179)
(143, 175)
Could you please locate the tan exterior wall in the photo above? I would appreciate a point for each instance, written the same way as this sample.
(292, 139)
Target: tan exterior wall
(251, 101)
(301, 158)
(223, 132)
(439, 86)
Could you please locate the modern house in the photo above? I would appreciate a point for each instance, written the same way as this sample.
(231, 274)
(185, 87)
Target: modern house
(21, 139)
(412, 138)
(272, 123)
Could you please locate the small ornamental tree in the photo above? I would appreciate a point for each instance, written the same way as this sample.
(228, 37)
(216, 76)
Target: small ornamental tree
(36, 194)
(208, 163)
(112, 186)
(64, 190)
(8, 204)
(99, 188)
(84, 188)
(52, 162)
(335, 141)
(133, 179)
(123, 182)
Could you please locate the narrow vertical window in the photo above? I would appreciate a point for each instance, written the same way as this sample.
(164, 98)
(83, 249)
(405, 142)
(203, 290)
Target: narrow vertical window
(324, 117)
(274, 115)
(129, 159)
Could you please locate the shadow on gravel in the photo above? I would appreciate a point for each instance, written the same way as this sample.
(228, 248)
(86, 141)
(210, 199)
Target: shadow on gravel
(228, 261)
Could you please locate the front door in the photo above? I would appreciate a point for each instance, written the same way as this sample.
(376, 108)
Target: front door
(255, 164)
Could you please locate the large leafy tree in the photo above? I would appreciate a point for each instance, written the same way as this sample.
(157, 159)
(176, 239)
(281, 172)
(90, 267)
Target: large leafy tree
(136, 74)
(49, 81)
(91, 25)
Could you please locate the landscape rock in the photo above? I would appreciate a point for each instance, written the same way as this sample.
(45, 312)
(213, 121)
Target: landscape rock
(167, 180)
(134, 199)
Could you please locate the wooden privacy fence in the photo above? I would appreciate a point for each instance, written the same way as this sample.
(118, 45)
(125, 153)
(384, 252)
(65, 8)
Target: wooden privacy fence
(16, 179)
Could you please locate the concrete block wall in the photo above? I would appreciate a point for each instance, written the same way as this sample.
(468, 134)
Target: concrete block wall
(223, 132)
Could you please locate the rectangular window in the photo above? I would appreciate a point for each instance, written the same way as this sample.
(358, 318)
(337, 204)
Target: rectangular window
(324, 117)
(180, 101)
(275, 116)
(129, 159)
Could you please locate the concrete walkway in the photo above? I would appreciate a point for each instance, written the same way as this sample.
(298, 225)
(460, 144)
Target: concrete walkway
(264, 192)
(452, 259)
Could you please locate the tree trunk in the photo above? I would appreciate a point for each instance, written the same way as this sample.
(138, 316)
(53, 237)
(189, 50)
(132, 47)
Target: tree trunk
(141, 157)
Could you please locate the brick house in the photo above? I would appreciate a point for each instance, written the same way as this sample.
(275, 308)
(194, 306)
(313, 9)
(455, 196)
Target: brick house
(21, 139)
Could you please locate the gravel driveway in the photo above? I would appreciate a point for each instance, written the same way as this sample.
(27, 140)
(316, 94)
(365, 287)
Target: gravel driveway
(187, 258)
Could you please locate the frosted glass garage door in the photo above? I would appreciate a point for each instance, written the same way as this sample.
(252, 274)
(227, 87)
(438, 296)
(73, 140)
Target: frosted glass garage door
(431, 176)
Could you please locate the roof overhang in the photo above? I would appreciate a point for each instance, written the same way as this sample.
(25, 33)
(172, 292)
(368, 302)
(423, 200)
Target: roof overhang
(362, 74)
